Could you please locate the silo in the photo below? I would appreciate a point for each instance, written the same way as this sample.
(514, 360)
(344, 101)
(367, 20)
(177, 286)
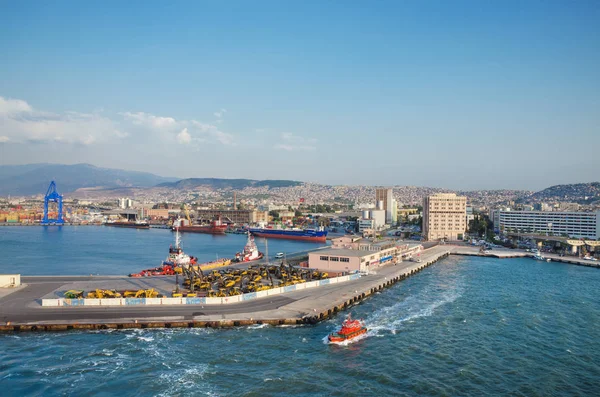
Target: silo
(365, 214)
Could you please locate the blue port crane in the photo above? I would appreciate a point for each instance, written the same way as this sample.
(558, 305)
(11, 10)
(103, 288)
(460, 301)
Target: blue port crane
(52, 196)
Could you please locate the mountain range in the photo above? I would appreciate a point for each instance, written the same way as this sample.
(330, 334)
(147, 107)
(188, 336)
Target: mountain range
(30, 179)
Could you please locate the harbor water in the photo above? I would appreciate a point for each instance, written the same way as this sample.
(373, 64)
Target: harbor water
(466, 326)
(104, 250)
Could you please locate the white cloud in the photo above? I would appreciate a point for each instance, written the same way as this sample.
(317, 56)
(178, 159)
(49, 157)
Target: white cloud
(219, 114)
(184, 136)
(21, 123)
(13, 106)
(150, 120)
(293, 143)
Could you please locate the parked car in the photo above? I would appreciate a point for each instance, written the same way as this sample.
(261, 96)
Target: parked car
(279, 255)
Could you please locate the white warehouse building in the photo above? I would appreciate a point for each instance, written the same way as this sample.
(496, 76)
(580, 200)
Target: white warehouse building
(573, 224)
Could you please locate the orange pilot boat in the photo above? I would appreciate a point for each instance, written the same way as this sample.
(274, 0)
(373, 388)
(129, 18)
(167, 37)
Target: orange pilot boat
(350, 330)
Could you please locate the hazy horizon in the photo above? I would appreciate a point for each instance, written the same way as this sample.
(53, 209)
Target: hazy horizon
(461, 95)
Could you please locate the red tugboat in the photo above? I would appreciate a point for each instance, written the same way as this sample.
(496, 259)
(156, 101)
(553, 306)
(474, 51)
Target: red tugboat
(250, 252)
(350, 330)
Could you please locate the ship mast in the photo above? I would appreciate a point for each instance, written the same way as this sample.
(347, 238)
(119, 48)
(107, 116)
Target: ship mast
(177, 239)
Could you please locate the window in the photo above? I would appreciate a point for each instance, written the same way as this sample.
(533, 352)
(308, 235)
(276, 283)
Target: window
(334, 258)
(345, 260)
(324, 258)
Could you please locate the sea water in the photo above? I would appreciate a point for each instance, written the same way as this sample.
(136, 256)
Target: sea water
(466, 326)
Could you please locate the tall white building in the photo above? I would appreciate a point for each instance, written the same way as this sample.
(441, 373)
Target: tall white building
(389, 204)
(573, 224)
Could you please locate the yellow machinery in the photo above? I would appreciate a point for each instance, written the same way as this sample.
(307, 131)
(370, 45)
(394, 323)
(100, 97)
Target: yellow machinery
(103, 294)
(73, 294)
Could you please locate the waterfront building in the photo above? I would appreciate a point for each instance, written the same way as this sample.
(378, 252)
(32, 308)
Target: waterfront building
(361, 255)
(238, 217)
(573, 224)
(444, 217)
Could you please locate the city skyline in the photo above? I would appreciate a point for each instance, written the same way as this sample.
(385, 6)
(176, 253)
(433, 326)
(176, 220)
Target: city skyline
(463, 96)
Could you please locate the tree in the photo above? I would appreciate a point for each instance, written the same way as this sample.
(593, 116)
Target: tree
(297, 213)
(274, 214)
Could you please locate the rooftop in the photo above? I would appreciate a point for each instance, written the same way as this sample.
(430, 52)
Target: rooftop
(342, 252)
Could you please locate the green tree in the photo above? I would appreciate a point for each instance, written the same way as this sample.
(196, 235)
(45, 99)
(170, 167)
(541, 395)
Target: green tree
(274, 214)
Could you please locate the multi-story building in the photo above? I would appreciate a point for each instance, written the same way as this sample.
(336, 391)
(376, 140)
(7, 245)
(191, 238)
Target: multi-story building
(389, 204)
(573, 224)
(444, 217)
(239, 217)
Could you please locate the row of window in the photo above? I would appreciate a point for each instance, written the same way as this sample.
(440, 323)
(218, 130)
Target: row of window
(334, 259)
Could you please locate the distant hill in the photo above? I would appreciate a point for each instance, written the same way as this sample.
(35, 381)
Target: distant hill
(218, 183)
(33, 179)
(582, 193)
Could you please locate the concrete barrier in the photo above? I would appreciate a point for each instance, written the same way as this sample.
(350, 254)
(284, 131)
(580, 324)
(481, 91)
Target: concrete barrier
(112, 302)
(289, 288)
(73, 302)
(172, 301)
(300, 286)
(252, 295)
(259, 294)
(334, 280)
(134, 301)
(231, 299)
(152, 301)
(92, 302)
(52, 302)
(311, 284)
(193, 301)
(274, 291)
(213, 301)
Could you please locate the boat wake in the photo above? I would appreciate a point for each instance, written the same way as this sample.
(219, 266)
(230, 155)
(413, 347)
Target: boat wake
(391, 319)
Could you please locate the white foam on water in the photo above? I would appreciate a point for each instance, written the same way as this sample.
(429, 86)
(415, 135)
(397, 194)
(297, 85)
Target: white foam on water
(185, 380)
(258, 326)
(390, 319)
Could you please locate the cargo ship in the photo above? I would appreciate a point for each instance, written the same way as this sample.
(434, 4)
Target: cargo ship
(214, 227)
(319, 236)
(134, 225)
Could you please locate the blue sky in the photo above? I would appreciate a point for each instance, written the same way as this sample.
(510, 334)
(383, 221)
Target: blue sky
(460, 94)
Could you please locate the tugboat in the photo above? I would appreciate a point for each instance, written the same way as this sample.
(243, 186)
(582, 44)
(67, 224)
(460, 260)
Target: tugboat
(350, 330)
(173, 264)
(250, 252)
(176, 256)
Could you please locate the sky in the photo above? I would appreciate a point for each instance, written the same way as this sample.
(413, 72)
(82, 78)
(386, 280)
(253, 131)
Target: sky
(453, 94)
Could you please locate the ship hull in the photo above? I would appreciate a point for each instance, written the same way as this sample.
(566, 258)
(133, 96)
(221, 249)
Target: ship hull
(283, 236)
(202, 229)
(128, 225)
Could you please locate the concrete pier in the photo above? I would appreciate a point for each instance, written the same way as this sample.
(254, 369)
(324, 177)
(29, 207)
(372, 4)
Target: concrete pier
(21, 309)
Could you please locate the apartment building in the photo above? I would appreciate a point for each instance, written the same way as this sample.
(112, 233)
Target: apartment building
(444, 217)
